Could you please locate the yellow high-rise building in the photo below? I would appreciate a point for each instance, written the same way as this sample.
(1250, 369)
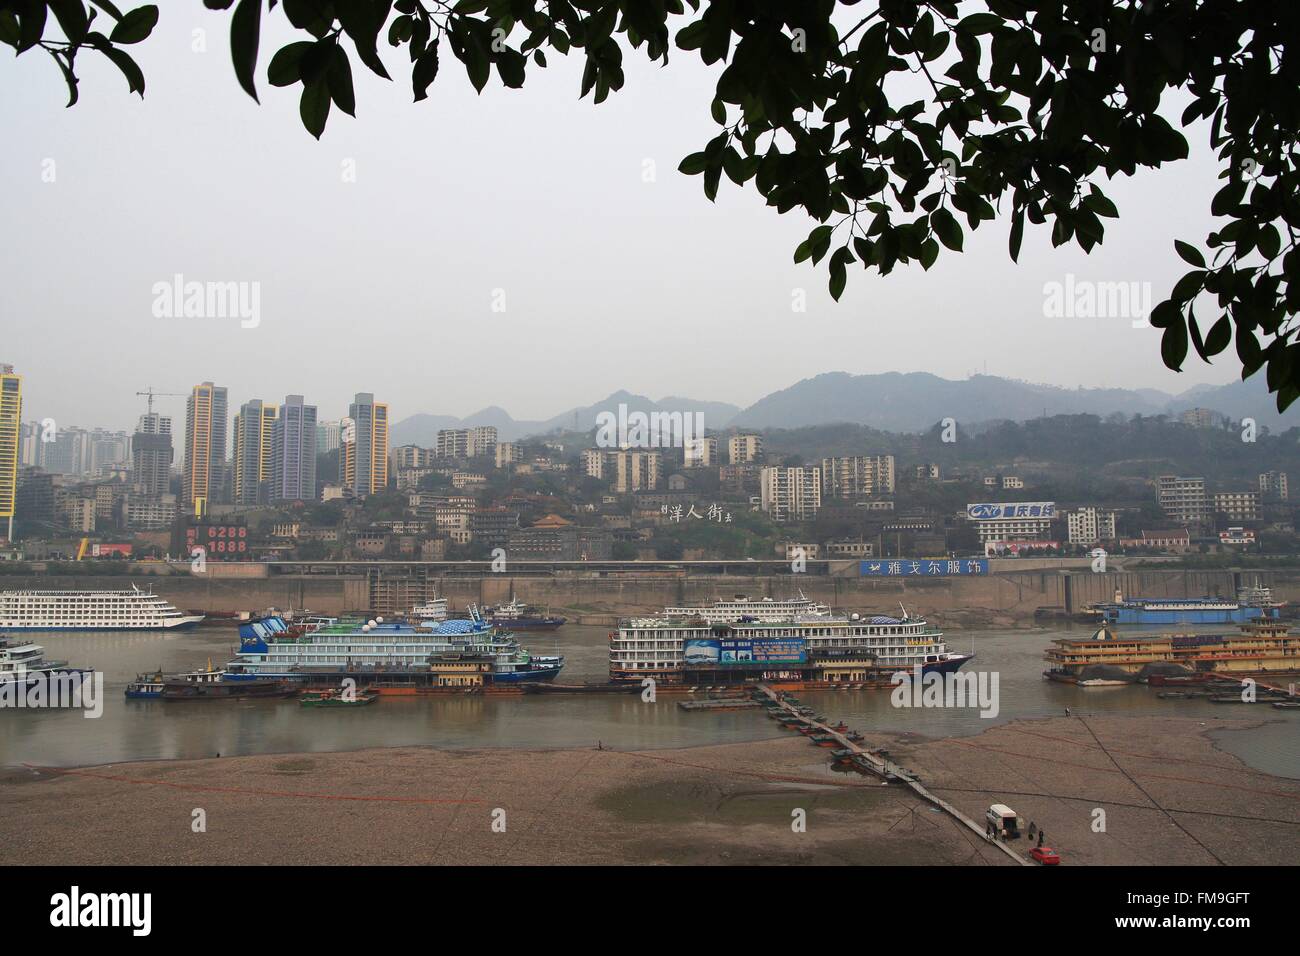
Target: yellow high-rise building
(205, 446)
(11, 416)
(363, 456)
(253, 452)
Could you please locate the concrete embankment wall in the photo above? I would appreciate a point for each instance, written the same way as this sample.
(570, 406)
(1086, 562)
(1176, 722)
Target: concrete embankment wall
(1010, 594)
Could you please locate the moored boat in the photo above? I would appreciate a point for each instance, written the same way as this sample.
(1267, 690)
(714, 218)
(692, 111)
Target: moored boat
(226, 690)
(50, 610)
(516, 616)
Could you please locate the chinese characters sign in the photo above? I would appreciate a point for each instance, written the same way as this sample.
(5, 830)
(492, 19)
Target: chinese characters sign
(924, 567)
(1000, 511)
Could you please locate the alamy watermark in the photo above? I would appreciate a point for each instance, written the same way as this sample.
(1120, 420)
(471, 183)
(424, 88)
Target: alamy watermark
(1084, 299)
(61, 690)
(634, 429)
(179, 299)
(921, 689)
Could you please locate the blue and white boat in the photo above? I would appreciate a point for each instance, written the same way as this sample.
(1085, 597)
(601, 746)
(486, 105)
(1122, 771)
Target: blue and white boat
(457, 653)
(1252, 603)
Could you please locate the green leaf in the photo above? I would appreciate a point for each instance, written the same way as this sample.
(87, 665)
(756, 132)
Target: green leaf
(693, 164)
(1219, 337)
(1173, 345)
(135, 25)
(72, 18)
(1017, 234)
(339, 81)
(425, 71)
(947, 229)
(245, 26)
(1190, 254)
(284, 68)
(314, 106)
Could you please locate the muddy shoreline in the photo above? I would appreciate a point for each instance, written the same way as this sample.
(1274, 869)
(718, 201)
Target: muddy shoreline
(1169, 795)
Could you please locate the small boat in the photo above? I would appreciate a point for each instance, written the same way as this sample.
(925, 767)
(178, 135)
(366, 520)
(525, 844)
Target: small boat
(516, 616)
(338, 698)
(1287, 704)
(1173, 695)
(146, 686)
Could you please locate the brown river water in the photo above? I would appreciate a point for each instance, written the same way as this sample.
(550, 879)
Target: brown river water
(148, 730)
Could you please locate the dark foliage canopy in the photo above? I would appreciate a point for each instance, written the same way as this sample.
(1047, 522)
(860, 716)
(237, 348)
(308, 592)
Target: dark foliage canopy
(1027, 107)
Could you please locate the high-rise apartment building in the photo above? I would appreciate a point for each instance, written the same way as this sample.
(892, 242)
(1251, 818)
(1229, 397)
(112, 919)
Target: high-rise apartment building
(205, 447)
(701, 453)
(743, 448)
(1090, 526)
(1272, 484)
(329, 437)
(626, 469)
(293, 452)
(859, 476)
(363, 459)
(252, 464)
(11, 414)
(152, 455)
(467, 442)
(791, 493)
(1182, 499)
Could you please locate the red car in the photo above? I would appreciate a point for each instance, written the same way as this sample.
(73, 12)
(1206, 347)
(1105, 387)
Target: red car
(1045, 855)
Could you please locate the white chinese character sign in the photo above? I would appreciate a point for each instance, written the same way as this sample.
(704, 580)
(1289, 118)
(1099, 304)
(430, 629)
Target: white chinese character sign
(924, 567)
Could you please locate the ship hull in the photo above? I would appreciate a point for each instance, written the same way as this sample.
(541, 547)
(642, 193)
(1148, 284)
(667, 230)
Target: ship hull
(527, 677)
(953, 664)
(179, 624)
(1141, 615)
(228, 690)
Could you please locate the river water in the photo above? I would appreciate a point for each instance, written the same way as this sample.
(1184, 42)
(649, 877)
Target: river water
(147, 730)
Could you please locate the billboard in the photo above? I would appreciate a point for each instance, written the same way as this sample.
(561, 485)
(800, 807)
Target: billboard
(742, 652)
(1003, 510)
(923, 567)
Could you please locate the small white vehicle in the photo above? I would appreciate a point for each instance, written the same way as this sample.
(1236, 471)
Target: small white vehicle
(1004, 820)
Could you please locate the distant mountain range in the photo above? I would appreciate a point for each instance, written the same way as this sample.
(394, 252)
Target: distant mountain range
(892, 401)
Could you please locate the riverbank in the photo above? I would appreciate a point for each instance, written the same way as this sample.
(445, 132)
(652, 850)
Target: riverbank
(728, 804)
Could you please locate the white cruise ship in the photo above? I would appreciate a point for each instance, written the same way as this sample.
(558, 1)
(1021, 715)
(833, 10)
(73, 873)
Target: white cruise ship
(741, 608)
(807, 647)
(132, 610)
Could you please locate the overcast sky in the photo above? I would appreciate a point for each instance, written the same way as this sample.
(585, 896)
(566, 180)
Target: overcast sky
(386, 284)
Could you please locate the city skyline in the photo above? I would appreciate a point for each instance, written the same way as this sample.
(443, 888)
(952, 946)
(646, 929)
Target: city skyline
(688, 289)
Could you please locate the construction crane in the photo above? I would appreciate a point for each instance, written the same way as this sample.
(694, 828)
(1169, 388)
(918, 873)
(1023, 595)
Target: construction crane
(151, 393)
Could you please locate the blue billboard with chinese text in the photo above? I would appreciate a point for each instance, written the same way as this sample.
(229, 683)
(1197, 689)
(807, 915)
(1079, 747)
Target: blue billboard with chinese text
(924, 567)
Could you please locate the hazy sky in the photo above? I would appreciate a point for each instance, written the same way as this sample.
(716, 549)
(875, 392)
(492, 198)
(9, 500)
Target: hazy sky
(386, 284)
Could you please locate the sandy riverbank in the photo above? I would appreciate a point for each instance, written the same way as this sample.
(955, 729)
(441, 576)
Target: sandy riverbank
(729, 804)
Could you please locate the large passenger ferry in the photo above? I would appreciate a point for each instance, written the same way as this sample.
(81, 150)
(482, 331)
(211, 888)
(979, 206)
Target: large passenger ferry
(455, 653)
(742, 608)
(132, 610)
(802, 647)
